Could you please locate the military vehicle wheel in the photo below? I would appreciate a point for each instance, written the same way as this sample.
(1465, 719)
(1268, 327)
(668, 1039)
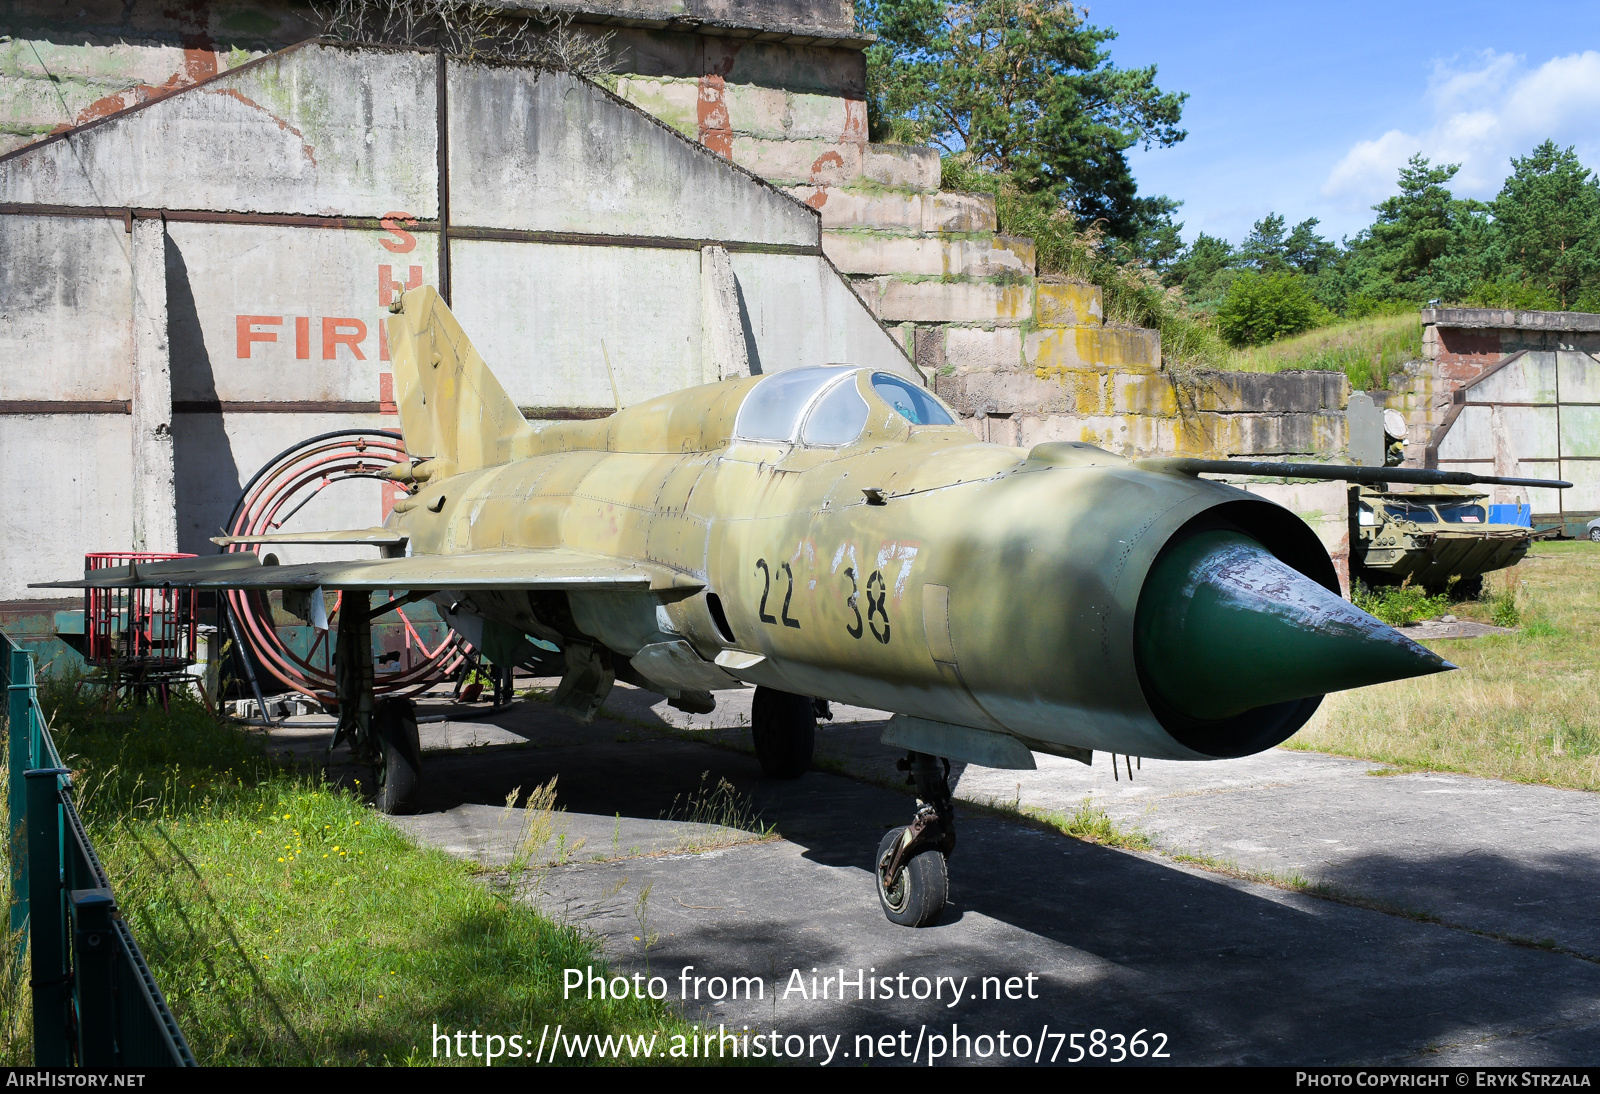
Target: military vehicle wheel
(916, 896)
(400, 772)
(784, 727)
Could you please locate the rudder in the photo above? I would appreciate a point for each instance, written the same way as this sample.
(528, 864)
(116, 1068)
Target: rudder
(452, 409)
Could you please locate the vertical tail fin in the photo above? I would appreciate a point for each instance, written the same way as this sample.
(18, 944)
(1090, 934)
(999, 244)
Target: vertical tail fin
(452, 409)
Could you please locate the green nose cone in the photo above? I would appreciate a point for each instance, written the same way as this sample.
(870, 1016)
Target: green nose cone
(1224, 627)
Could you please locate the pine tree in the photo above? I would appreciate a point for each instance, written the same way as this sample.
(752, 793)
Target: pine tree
(1262, 249)
(1547, 220)
(1024, 89)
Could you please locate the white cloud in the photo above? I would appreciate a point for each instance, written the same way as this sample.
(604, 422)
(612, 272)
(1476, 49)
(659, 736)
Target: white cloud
(1480, 115)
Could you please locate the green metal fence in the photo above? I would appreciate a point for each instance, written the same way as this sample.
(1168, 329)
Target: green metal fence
(95, 1002)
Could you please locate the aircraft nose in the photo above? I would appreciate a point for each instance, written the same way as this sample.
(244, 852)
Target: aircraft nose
(1224, 627)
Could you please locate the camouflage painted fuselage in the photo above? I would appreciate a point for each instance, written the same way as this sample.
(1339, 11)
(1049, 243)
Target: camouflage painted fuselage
(990, 587)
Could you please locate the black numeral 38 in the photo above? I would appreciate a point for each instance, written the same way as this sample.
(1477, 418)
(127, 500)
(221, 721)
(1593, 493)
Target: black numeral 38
(877, 606)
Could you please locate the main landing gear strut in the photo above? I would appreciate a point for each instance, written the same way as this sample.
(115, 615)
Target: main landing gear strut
(913, 879)
(384, 734)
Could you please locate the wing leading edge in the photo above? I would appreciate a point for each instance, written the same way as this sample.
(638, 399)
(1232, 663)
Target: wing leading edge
(510, 569)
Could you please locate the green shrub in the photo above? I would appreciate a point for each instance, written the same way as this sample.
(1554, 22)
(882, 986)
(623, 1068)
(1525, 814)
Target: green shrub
(1398, 605)
(1261, 308)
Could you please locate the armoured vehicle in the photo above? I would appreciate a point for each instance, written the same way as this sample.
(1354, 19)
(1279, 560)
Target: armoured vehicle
(1431, 536)
(834, 533)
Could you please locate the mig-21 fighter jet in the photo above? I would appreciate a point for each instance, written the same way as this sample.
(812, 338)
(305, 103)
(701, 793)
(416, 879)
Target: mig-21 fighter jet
(833, 533)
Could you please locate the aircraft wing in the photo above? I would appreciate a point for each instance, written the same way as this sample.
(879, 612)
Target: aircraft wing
(369, 537)
(1180, 465)
(510, 568)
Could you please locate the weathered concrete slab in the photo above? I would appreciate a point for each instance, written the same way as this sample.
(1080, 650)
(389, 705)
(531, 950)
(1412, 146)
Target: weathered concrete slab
(66, 309)
(1506, 857)
(900, 209)
(1121, 348)
(1232, 972)
(833, 327)
(1428, 629)
(551, 152)
(496, 835)
(313, 130)
(884, 253)
(46, 527)
(1068, 304)
(936, 301)
(912, 166)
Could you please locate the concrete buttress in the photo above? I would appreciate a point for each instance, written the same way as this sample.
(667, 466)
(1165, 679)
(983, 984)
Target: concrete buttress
(155, 524)
(723, 352)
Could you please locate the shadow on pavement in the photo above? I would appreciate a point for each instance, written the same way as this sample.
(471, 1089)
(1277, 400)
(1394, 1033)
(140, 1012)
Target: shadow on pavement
(1230, 971)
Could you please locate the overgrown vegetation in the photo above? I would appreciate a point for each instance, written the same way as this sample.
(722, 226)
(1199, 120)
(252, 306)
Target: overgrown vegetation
(1536, 245)
(471, 30)
(717, 815)
(1026, 92)
(1133, 295)
(1371, 350)
(1522, 706)
(1398, 605)
(287, 923)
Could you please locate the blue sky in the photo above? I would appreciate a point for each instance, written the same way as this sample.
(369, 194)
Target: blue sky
(1310, 109)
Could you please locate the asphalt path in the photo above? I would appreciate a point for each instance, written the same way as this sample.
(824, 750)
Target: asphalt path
(1464, 931)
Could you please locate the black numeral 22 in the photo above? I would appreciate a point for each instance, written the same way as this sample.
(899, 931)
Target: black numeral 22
(766, 591)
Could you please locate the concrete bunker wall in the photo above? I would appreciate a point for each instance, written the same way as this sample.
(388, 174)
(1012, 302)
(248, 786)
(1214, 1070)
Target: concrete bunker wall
(195, 283)
(1535, 414)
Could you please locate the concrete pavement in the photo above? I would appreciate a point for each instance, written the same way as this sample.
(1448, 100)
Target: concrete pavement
(1231, 971)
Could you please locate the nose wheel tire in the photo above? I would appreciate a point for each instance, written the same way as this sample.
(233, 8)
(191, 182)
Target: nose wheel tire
(784, 728)
(400, 767)
(916, 895)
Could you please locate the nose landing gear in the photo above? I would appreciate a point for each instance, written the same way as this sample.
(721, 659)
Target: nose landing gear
(913, 879)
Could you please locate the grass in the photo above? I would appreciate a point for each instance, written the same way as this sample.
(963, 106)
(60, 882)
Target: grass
(16, 1033)
(1522, 706)
(1088, 823)
(1369, 351)
(288, 924)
